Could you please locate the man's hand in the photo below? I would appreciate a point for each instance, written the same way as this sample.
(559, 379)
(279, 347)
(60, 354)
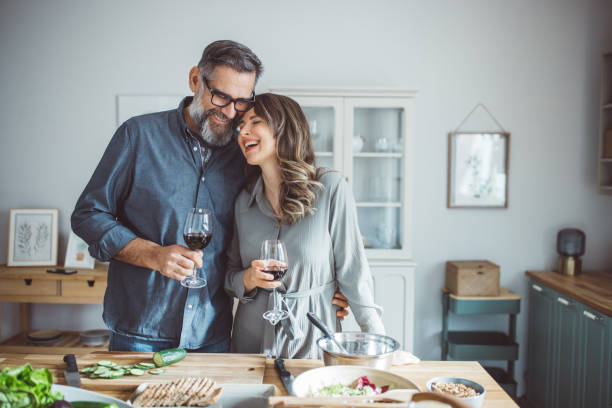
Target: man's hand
(342, 302)
(173, 261)
(177, 261)
(254, 276)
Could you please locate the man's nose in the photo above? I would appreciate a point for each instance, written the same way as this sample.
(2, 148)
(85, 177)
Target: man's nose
(229, 111)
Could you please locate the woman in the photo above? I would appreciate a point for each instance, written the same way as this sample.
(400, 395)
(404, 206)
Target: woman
(313, 212)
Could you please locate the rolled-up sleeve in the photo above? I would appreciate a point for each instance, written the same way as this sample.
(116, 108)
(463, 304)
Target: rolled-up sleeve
(350, 262)
(96, 217)
(234, 278)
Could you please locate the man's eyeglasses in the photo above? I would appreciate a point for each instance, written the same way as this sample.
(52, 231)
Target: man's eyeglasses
(221, 99)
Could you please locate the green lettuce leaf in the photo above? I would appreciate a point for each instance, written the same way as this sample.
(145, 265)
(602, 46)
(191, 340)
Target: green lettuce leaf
(26, 387)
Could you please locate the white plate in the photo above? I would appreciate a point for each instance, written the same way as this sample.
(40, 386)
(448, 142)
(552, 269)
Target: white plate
(312, 380)
(79, 394)
(241, 395)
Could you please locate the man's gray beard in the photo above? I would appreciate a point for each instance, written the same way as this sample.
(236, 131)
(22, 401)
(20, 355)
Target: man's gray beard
(200, 117)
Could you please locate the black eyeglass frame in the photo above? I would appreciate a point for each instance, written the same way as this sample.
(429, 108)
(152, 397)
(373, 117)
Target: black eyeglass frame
(214, 92)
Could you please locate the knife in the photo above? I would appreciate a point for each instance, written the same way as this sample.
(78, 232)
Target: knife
(72, 371)
(285, 375)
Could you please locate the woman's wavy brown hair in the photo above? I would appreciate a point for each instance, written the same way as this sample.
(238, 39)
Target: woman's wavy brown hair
(294, 153)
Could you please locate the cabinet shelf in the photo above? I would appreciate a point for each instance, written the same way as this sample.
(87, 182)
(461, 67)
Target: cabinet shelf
(481, 345)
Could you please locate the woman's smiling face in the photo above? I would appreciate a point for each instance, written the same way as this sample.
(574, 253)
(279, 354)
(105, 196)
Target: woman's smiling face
(256, 139)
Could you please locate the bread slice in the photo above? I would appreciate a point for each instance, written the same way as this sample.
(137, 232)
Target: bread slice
(183, 392)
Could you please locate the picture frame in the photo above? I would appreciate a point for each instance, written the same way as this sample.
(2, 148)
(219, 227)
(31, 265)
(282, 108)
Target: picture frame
(32, 237)
(77, 255)
(134, 105)
(478, 169)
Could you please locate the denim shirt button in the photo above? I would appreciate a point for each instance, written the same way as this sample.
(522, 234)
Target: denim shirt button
(189, 306)
(203, 178)
(195, 149)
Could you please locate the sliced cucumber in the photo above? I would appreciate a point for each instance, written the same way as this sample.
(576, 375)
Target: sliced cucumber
(157, 371)
(89, 369)
(101, 370)
(145, 365)
(106, 363)
(116, 374)
(136, 371)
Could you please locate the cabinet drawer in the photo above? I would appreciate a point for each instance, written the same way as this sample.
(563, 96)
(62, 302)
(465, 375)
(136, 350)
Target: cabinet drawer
(82, 288)
(35, 287)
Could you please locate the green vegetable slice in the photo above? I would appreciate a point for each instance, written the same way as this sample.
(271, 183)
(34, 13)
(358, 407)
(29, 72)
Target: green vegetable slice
(106, 363)
(116, 374)
(156, 371)
(89, 369)
(145, 365)
(137, 371)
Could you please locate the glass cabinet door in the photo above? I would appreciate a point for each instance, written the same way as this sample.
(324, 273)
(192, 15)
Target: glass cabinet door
(375, 160)
(324, 120)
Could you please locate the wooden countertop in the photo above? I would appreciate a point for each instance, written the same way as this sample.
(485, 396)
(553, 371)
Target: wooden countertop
(246, 368)
(594, 289)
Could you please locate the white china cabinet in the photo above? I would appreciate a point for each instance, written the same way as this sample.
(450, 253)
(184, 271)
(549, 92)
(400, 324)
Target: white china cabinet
(366, 134)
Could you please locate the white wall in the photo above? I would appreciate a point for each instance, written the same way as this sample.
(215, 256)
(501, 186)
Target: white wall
(534, 64)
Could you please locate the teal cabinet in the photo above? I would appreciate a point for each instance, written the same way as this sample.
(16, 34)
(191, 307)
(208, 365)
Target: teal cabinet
(539, 347)
(569, 352)
(566, 355)
(596, 369)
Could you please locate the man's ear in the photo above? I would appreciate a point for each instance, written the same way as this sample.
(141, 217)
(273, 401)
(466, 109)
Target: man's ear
(194, 79)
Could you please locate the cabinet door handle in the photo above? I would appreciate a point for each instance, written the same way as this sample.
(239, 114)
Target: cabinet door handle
(536, 288)
(563, 301)
(591, 315)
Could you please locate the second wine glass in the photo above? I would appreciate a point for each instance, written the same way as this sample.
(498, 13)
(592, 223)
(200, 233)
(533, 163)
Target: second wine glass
(197, 234)
(274, 254)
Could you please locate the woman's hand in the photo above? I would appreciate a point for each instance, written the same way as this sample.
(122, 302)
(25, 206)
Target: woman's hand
(255, 276)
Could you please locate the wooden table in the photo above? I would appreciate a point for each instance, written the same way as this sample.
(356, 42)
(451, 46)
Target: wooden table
(247, 368)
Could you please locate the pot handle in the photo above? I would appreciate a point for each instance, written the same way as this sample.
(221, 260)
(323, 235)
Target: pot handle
(454, 402)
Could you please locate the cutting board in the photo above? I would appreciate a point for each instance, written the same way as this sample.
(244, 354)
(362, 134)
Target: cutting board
(223, 368)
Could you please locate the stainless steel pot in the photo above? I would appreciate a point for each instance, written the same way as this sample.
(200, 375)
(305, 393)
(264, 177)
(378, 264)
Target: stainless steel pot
(364, 349)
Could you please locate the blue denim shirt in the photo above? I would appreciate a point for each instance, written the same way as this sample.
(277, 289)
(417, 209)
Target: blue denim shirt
(143, 187)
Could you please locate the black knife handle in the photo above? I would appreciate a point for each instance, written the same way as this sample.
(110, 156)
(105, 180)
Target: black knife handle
(280, 367)
(70, 361)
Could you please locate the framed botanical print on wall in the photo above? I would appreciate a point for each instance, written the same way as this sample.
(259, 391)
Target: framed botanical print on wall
(478, 169)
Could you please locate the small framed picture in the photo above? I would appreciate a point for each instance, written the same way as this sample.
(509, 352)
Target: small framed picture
(77, 255)
(32, 237)
(478, 169)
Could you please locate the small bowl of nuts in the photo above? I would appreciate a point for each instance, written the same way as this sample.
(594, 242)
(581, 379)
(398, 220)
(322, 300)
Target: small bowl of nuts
(469, 391)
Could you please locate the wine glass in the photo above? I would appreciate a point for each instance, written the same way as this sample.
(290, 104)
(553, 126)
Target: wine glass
(197, 234)
(274, 255)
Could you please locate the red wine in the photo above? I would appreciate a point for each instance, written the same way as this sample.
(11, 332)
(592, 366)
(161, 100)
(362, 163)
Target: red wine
(278, 272)
(197, 240)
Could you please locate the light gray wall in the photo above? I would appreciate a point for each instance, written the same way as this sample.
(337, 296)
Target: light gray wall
(534, 64)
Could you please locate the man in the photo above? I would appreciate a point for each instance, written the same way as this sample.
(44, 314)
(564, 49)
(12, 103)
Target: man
(132, 211)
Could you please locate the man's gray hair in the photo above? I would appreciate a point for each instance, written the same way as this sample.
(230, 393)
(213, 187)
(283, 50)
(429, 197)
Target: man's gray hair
(232, 54)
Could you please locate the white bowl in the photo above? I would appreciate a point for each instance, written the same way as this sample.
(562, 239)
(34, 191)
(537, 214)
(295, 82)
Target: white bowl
(474, 402)
(311, 381)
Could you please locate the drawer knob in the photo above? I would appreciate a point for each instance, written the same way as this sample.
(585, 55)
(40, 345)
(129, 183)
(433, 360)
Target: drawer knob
(91, 283)
(28, 282)
(536, 288)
